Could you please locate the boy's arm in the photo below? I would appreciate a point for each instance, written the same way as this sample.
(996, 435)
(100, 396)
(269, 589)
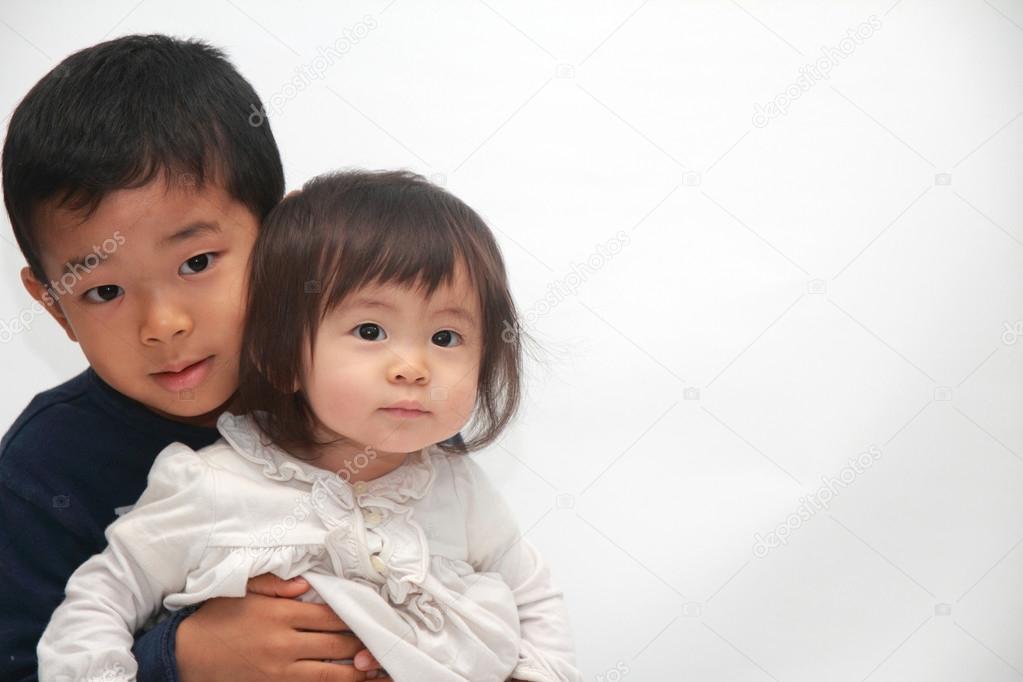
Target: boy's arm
(546, 653)
(155, 649)
(38, 554)
(149, 552)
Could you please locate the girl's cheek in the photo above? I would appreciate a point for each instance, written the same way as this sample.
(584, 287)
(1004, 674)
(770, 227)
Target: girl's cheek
(336, 409)
(464, 404)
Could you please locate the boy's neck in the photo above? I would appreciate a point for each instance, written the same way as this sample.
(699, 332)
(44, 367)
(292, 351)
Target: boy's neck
(205, 420)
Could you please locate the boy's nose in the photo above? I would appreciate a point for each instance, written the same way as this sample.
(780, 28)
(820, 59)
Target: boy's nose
(164, 321)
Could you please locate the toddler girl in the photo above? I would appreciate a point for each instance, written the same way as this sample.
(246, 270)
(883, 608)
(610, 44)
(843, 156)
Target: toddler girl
(379, 325)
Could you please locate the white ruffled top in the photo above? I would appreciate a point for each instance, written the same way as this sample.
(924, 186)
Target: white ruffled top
(425, 563)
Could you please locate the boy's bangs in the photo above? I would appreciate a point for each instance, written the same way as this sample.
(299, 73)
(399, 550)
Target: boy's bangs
(188, 164)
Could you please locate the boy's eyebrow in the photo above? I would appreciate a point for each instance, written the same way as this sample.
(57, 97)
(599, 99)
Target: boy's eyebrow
(187, 232)
(194, 229)
(366, 302)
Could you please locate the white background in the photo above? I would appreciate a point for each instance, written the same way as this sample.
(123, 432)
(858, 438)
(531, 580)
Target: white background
(848, 276)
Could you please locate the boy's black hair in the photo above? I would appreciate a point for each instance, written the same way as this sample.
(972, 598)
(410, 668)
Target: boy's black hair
(119, 114)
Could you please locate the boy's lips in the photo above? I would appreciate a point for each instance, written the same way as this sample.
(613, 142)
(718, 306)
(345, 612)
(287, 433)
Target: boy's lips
(186, 376)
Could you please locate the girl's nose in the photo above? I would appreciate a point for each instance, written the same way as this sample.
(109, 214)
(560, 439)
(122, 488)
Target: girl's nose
(404, 371)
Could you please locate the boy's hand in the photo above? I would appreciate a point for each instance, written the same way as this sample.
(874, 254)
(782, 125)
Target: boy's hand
(266, 635)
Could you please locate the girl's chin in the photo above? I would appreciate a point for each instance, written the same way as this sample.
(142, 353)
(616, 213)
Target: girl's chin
(396, 449)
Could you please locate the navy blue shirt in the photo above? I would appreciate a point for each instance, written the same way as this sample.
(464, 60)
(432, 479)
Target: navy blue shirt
(77, 453)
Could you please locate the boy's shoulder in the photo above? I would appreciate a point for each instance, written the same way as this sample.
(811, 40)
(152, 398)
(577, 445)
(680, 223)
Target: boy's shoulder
(81, 449)
(50, 418)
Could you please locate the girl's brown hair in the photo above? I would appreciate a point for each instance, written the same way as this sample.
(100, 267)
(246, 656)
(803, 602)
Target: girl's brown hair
(349, 229)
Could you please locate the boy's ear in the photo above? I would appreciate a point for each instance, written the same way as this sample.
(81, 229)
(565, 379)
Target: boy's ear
(39, 292)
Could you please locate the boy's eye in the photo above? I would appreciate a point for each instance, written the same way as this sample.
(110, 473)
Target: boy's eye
(103, 294)
(196, 264)
(370, 332)
(447, 338)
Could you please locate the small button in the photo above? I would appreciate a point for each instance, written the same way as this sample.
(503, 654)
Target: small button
(372, 518)
(360, 487)
(378, 564)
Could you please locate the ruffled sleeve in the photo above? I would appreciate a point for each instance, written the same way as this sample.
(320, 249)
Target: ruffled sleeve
(150, 551)
(494, 543)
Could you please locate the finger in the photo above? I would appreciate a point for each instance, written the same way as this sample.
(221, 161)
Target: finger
(364, 660)
(315, 671)
(320, 646)
(315, 617)
(270, 585)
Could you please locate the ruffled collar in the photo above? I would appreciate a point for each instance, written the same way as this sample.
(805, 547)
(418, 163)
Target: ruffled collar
(411, 480)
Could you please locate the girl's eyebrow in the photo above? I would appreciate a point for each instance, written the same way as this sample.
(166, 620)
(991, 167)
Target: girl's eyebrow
(457, 311)
(366, 302)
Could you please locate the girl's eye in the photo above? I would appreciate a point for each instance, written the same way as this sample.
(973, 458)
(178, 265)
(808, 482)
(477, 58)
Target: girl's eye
(103, 294)
(447, 338)
(370, 332)
(196, 264)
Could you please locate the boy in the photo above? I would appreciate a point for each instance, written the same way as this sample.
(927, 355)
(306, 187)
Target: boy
(135, 186)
